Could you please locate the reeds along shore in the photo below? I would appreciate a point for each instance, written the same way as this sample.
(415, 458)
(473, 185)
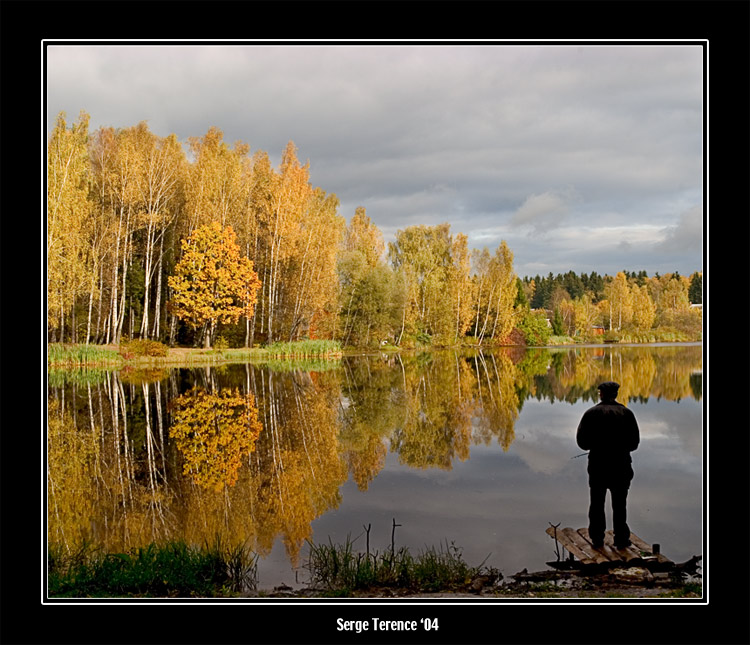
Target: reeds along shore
(151, 353)
(176, 569)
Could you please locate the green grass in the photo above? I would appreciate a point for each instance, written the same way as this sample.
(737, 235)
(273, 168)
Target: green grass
(154, 354)
(173, 570)
(64, 355)
(561, 340)
(304, 349)
(341, 570)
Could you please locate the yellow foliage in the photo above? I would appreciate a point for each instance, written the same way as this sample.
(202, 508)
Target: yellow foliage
(214, 433)
(212, 282)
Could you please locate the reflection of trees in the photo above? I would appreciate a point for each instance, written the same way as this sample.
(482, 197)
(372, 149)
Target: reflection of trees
(291, 478)
(298, 474)
(696, 384)
(437, 421)
(121, 476)
(106, 440)
(71, 459)
(452, 401)
(573, 374)
(116, 466)
(372, 406)
(431, 406)
(498, 398)
(674, 371)
(214, 433)
(635, 372)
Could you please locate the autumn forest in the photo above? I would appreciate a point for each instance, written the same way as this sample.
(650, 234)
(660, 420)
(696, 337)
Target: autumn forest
(206, 243)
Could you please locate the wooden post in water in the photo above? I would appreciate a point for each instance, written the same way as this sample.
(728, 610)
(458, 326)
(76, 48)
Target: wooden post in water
(393, 536)
(367, 529)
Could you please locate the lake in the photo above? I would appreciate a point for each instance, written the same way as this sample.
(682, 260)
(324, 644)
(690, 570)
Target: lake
(471, 449)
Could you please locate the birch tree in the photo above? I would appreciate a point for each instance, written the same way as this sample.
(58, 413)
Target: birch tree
(460, 286)
(644, 309)
(161, 168)
(617, 293)
(68, 208)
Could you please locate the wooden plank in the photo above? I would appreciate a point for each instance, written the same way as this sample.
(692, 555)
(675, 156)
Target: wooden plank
(589, 554)
(629, 554)
(564, 540)
(578, 544)
(608, 551)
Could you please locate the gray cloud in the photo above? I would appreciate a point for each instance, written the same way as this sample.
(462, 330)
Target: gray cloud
(543, 212)
(686, 235)
(539, 145)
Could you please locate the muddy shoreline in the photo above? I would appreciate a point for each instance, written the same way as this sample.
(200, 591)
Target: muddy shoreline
(543, 585)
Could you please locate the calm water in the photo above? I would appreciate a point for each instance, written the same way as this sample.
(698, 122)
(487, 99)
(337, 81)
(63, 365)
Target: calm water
(471, 449)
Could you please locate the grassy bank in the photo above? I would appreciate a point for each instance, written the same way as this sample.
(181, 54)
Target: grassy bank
(176, 570)
(146, 353)
(65, 355)
(154, 354)
(173, 570)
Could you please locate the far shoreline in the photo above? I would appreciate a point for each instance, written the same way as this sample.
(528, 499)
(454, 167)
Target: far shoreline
(110, 356)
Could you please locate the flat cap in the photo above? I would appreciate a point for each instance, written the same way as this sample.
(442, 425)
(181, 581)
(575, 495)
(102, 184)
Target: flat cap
(609, 387)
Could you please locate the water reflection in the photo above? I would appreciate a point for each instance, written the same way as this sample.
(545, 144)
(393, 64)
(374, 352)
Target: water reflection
(256, 455)
(214, 433)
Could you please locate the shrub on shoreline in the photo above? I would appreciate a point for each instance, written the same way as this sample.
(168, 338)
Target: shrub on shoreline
(142, 347)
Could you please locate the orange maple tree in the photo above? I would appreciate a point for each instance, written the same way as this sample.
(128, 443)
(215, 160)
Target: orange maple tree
(212, 283)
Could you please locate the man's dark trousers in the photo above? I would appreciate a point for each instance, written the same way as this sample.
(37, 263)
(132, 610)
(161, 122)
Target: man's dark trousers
(619, 496)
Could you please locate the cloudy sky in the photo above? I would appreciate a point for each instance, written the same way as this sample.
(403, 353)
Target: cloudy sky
(584, 158)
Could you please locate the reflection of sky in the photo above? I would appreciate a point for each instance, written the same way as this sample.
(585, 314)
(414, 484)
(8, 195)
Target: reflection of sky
(500, 503)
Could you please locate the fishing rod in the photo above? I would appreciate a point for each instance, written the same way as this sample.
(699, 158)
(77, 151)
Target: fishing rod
(581, 455)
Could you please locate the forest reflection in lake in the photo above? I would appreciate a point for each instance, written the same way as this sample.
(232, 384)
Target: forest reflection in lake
(472, 448)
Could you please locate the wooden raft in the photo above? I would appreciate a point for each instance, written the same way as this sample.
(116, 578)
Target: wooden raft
(578, 544)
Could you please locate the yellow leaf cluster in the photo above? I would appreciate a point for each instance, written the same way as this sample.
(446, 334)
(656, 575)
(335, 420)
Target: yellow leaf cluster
(214, 433)
(212, 282)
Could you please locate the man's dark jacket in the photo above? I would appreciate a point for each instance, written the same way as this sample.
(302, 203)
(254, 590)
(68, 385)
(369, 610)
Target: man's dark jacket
(609, 432)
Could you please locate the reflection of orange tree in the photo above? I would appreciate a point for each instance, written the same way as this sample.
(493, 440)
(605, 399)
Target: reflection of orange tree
(214, 433)
(292, 476)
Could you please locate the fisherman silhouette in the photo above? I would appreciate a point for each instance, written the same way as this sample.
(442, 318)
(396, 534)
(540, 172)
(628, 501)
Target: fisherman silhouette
(610, 433)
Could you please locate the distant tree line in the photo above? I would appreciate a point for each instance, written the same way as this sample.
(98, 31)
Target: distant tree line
(628, 301)
(150, 239)
(547, 290)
